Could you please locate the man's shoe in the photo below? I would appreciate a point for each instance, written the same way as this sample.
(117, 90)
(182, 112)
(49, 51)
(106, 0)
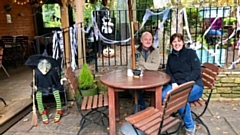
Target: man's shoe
(192, 131)
(142, 107)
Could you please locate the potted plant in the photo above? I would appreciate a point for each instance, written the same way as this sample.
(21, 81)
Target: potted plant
(86, 81)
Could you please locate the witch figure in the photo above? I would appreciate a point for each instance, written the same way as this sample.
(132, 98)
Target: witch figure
(46, 80)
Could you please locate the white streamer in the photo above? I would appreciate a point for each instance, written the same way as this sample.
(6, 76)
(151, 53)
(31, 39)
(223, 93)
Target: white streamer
(148, 13)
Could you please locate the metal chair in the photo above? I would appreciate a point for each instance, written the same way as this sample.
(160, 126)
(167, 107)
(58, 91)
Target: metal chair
(91, 108)
(1, 60)
(7, 39)
(209, 75)
(153, 121)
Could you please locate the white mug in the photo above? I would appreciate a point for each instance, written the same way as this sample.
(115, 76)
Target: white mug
(129, 72)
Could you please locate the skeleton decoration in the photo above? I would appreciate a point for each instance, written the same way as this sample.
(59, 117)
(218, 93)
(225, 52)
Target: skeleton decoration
(106, 22)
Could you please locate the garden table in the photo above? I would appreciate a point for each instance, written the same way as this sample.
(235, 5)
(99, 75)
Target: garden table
(118, 81)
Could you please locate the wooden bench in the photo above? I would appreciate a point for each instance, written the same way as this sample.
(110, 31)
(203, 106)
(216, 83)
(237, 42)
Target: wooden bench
(152, 121)
(209, 75)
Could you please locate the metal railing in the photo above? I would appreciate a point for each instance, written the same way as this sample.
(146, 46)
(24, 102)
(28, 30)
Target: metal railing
(99, 51)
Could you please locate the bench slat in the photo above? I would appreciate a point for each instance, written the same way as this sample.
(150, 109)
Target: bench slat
(89, 103)
(84, 103)
(95, 101)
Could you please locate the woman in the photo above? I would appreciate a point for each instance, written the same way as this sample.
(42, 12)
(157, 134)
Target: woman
(183, 65)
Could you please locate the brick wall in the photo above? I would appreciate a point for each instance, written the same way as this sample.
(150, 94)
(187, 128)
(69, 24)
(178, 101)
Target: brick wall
(227, 85)
(21, 25)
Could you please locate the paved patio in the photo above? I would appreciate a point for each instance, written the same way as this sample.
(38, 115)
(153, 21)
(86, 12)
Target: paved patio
(222, 116)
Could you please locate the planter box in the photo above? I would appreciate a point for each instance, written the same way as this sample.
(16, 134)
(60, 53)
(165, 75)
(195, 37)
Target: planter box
(205, 56)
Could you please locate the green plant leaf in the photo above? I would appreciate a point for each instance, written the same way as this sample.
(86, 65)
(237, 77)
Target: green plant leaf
(85, 79)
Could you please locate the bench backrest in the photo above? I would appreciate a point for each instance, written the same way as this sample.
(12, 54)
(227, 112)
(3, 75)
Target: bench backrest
(209, 74)
(73, 83)
(177, 98)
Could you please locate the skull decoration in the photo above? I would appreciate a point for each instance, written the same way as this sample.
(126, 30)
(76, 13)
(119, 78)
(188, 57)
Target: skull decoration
(108, 52)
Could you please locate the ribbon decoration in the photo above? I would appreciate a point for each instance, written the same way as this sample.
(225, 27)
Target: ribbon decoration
(233, 33)
(186, 22)
(73, 43)
(148, 13)
(197, 45)
(57, 44)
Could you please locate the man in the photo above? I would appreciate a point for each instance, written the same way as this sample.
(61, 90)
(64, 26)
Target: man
(147, 58)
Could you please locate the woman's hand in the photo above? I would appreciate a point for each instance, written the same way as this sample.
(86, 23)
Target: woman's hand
(174, 85)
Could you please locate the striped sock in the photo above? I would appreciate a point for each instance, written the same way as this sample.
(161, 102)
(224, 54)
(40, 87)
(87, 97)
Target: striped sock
(58, 105)
(39, 101)
(57, 99)
(40, 106)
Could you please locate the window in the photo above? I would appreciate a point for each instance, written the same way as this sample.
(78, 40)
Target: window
(51, 15)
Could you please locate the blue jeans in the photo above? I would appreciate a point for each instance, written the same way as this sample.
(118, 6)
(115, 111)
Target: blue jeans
(195, 94)
(215, 32)
(141, 101)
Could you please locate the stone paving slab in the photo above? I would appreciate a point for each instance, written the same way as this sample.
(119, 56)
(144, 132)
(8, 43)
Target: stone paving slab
(219, 119)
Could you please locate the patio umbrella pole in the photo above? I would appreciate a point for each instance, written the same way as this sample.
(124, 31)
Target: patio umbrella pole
(132, 33)
(133, 49)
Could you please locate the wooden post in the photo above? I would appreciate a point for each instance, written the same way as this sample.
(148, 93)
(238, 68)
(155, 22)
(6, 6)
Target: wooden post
(65, 25)
(80, 18)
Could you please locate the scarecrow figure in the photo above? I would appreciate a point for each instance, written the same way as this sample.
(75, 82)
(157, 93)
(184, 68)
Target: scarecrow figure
(46, 80)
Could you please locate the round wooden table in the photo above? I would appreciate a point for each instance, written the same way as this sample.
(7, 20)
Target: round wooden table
(118, 80)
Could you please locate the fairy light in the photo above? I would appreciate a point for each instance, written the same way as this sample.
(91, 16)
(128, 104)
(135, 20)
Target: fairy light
(23, 2)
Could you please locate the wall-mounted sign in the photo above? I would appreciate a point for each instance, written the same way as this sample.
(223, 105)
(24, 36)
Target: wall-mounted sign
(9, 19)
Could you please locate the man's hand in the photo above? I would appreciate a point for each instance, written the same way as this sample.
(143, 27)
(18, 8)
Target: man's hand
(174, 85)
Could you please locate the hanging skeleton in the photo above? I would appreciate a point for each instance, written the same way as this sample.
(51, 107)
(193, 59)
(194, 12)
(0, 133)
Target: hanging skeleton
(106, 22)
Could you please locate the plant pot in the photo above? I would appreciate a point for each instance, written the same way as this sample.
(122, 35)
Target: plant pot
(90, 92)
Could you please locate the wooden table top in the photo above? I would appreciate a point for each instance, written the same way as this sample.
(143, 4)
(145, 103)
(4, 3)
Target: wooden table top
(119, 79)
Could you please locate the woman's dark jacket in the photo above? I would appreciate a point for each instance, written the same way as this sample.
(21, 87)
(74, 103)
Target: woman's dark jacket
(184, 66)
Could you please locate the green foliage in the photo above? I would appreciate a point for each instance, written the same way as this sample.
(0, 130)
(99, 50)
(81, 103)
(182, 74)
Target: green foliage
(89, 7)
(194, 18)
(203, 41)
(50, 10)
(141, 6)
(229, 21)
(85, 79)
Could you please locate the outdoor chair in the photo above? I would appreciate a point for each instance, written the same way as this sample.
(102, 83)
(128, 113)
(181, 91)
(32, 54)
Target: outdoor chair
(91, 108)
(1, 61)
(7, 39)
(209, 75)
(23, 40)
(153, 121)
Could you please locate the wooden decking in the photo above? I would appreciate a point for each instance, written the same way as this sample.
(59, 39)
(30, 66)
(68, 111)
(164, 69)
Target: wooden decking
(16, 91)
(15, 110)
